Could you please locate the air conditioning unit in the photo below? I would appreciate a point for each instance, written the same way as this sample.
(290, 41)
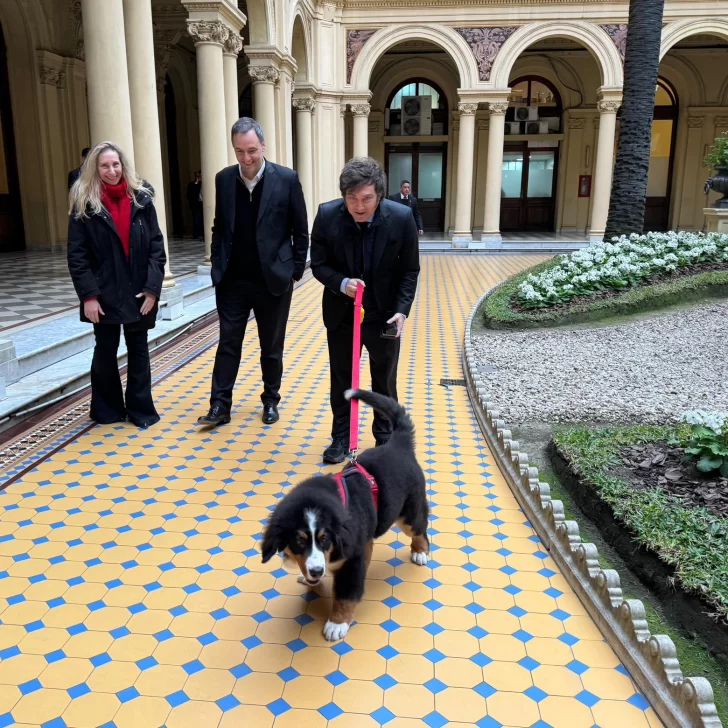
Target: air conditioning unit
(416, 115)
(512, 128)
(526, 113)
(537, 127)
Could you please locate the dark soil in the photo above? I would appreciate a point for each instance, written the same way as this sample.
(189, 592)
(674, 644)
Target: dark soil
(689, 270)
(659, 465)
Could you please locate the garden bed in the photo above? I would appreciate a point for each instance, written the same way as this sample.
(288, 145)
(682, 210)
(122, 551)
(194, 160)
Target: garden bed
(626, 276)
(673, 535)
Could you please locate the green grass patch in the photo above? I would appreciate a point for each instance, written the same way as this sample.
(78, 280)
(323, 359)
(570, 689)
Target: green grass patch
(496, 311)
(692, 540)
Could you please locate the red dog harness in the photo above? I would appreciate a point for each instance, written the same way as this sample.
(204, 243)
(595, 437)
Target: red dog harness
(341, 485)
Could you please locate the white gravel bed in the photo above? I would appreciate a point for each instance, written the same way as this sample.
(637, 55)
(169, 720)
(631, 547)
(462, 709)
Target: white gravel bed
(646, 371)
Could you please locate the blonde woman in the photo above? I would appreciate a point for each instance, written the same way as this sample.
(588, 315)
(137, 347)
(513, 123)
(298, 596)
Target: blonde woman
(116, 259)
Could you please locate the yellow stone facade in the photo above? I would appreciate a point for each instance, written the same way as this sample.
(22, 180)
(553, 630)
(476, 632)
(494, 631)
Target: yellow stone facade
(320, 77)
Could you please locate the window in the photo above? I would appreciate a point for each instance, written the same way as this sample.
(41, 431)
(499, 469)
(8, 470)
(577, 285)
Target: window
(416, 88)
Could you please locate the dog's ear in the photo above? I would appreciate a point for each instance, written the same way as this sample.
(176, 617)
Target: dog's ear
(272, 542)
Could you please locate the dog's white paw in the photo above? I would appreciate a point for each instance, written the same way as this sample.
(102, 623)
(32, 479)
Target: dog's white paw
(419, 558)
(334, 631)
(301, 579)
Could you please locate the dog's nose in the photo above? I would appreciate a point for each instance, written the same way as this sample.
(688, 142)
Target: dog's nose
(316, 572)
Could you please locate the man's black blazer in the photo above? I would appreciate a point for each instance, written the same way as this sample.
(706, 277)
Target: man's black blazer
(395, 262)
(73, 175)
(412, 201)
(281, 233)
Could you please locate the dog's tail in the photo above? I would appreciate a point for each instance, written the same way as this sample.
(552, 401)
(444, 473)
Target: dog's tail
(390, 408)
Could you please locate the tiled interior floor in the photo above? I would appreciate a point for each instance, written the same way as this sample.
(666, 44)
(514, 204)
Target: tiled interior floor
(133, 594)
(35, 284)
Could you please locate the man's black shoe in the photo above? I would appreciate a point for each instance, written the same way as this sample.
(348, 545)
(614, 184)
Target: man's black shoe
(216, 416)
(270, 414)
(337, 451)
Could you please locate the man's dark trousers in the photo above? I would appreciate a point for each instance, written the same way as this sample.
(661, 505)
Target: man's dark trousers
(235, 300)
(383, 358)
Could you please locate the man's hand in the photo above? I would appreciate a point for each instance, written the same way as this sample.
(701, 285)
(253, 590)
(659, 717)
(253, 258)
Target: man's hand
(421, 232)
(149, 300)
(352, 285)
(92, 309)
(399, 319)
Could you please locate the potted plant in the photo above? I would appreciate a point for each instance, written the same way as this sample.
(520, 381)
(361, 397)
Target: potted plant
(717, 160)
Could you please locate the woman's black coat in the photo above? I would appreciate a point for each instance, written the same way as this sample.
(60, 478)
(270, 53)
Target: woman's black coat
(99, 267)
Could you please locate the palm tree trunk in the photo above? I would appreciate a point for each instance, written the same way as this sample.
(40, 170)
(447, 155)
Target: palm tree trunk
(641, 64)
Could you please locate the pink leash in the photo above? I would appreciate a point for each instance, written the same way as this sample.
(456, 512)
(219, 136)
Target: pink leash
(355, 366)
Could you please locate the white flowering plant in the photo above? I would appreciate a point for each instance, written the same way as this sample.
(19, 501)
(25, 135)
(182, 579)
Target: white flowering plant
(622, 263)
(708, 441)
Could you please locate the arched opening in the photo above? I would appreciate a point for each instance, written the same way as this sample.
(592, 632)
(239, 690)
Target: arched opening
(531, 155)
(11, 217)
(170, 111)
(416, 141)
(245, 102)
(662, 158)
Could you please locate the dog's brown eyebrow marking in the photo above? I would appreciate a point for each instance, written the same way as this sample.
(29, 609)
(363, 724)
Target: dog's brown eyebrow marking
(303, 535)
(320, 534)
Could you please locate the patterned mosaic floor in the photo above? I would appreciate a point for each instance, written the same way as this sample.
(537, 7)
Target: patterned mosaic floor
(36, 284)
(133, 595)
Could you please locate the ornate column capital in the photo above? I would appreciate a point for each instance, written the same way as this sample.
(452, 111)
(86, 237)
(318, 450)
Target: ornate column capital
(361, 109)
(342, 110)
(498, 108)
(208, 31)
(164, 39)
(52, 77)
(467, 108)
(608, 106)
(233, 45)
(576, 123)
(721, 121)
(304, 104)
(696, 122)
(264, 74)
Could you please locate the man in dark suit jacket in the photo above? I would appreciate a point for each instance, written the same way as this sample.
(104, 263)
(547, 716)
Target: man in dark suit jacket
(194, 200)
(404, 197)
(364, 239)
(74, 174)
(259, 245)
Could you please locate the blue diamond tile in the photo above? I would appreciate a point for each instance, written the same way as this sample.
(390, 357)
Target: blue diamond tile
(383, 715)
(389, 625)
(507, 570)
(207, 639)
(177, 698)
(433, 629)
(578, 667)
(336, 678)
(101, 659)
(484, 690)
(477, 632)
(30, 687)
(385, 682)
(435, 686)
(78, 690)
(288, 674)
(434, 656)
(475, 608)
(589, 699)
(50, 658)
(517, 611)
(128, 694)
(227, 703)
(638, 701)
(511, 589)
(435, 720)
(560, 614)
(535, 693)
(522, 635)
(391, 602)
(241, 671)
(146, 663)
(119, 632)
(568, 639)
(6, 719)
(193, 667)
(330, 711)
(342, 649)
(529, 663)
(481, 660)
(432, 604)
(251, 642)
(387, 652)
(277, 707)
(552, 592)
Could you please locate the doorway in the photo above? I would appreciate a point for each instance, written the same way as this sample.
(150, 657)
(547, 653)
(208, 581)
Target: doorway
(12, 235)
(528, 188)
(424, 165)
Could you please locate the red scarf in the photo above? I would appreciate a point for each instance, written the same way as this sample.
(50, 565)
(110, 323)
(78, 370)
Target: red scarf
(117, 201)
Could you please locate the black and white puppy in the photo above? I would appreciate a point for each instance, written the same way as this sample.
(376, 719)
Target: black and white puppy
(312, 526)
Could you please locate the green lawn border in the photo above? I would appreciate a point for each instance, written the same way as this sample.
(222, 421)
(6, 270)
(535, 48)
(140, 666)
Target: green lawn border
(496, 313)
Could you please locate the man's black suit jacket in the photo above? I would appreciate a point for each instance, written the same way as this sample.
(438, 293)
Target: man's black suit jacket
(73, 175)
(412, 201)
(395, 261)
(281, 232)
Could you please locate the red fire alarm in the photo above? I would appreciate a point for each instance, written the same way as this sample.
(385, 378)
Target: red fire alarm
(585, 185)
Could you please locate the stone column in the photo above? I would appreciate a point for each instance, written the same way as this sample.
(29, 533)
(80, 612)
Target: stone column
(493, 176)
(361, 129)
(232, 47)
(304, 144)
(342, 136)
(689, 182)
(604, 165)
(109, 108)
(284, 133)
(209, 37)
(144, 110)
(463, 233)
(264, 80)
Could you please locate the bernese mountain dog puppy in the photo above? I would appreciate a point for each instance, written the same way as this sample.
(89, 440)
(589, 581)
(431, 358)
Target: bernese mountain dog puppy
(326, 528)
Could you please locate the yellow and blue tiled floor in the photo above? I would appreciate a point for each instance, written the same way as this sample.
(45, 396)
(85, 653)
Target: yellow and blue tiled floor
(132, 592)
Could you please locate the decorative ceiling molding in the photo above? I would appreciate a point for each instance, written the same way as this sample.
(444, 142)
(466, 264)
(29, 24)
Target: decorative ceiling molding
(485, 44)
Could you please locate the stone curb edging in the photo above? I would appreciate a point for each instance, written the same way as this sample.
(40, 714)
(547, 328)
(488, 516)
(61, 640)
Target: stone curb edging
(651, 660)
